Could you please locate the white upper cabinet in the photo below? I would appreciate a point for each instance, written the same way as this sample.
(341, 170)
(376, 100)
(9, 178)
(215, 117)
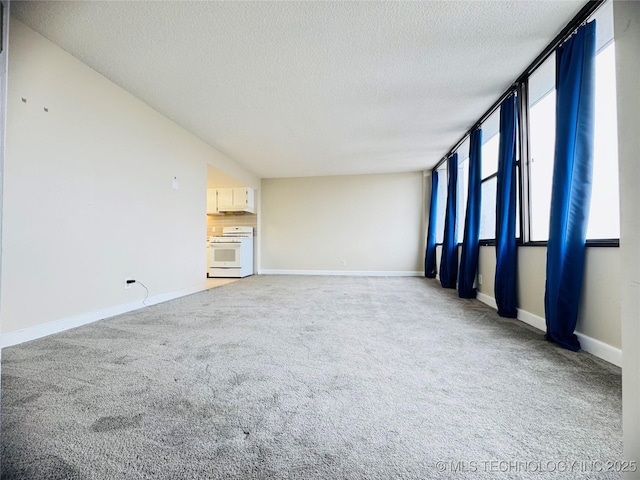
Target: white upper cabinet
(230, 200)
(225, 198)
(243, 199)
(212, 201)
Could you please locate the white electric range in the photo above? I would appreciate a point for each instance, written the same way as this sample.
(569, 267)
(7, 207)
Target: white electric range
(231, 255)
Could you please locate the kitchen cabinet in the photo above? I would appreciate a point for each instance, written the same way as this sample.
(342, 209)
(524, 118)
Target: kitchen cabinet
(243, 199)
(230, 200)
(212, 201)
(225, 198)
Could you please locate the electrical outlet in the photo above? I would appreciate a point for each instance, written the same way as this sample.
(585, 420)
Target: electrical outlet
(343, 263)
(128, 285)
(479, 279)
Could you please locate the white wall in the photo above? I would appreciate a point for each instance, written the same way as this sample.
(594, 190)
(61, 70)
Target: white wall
(372, 222)
(3, 95)
(627, 35)
(599, 315)
(88, 192)
(599, 320)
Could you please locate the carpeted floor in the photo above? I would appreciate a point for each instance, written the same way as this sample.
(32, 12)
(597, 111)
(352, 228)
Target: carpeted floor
(308, 378)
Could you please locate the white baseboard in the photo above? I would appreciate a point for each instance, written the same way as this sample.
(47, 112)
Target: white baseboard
(38, 331)
(600, 349)
(588, 344)
(487, 300)
(532, 319)
(352, 273)
(593, 346)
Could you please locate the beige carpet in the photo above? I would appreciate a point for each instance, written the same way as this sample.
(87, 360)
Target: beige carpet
(308, 378)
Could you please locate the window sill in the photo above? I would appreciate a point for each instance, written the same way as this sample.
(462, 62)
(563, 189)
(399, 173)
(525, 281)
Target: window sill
(590, 243)
(612, 242)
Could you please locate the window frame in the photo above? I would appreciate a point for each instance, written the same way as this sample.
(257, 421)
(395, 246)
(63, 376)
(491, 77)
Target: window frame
(523, 152)
(462, 205)
(524, 111)
(491, 241)
(443, 181)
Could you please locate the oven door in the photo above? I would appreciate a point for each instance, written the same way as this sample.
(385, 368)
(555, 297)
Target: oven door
(224, 255)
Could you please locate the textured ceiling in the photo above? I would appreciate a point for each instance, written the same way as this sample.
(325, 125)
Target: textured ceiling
(311, 88)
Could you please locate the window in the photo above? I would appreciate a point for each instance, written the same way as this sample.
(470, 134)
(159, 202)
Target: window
(489, 169)
(518, 233)
(542, 136)
(463, 187)
(604, 216)
(442, 202)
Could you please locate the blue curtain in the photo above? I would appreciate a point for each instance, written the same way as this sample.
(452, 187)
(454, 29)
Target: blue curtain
(506, 254)
(449, 260)
(430, 255)
(470, 243)
(571, 190)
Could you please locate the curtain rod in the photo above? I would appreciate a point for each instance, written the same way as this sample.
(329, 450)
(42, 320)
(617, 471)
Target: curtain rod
(579, 19)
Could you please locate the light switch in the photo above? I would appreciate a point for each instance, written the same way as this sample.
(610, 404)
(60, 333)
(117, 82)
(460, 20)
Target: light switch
(174, 183)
